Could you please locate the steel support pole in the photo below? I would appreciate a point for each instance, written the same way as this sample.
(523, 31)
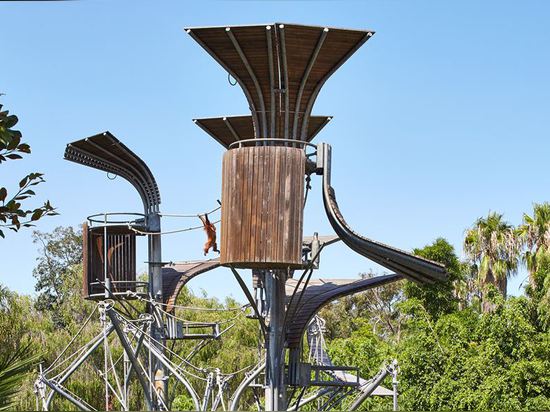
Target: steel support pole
(66, 395)
(130, 352)
(79, 361)
(155, 288)
(275, 396)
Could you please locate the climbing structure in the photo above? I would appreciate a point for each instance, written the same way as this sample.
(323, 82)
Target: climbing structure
(267, 171)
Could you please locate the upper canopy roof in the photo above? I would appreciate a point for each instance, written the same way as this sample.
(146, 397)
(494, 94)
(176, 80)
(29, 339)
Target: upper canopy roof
(105, 152)
(281, 68)
(229, 129)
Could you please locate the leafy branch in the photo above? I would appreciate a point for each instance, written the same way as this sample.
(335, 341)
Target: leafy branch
(12, 214)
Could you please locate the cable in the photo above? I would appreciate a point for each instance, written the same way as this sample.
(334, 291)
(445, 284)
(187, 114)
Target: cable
(190, 216)
(195, 308)
(72, 340)
(143, 232)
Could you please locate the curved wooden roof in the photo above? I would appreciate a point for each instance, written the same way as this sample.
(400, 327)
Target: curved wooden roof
(105, 152)
(281, 68)
(176, 275)
(318, 293)
(230, 129)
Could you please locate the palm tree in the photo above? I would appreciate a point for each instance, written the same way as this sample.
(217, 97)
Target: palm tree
(534, 235)
(492, 246)
(13, 370)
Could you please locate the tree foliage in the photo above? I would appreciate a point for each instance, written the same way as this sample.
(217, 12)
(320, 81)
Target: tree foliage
(56, 271)
(452, 355)
(13, 215)
(491, 244)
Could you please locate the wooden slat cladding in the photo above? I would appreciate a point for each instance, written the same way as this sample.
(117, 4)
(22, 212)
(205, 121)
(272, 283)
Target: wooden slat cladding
(262, 207)
(121, 260)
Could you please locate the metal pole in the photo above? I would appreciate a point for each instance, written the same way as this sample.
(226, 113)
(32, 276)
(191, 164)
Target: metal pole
(77, 363)
(66, 395)
(234, 401)
(130, 352)
(367, 390)
(158, 373)
(395, 382)
(275, 396)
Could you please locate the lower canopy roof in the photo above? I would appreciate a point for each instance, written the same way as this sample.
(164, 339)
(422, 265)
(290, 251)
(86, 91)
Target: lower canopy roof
(230, 129)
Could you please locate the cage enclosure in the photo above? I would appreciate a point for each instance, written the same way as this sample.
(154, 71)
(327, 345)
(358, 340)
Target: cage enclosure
(109, 257)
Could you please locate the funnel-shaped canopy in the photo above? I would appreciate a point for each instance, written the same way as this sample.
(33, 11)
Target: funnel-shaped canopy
(281, 68)
(230, 129)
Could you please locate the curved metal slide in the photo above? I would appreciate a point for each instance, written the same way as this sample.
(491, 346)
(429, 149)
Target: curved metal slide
(413, 267)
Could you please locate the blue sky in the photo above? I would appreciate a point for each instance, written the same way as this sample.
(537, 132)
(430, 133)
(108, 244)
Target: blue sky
(441, 117)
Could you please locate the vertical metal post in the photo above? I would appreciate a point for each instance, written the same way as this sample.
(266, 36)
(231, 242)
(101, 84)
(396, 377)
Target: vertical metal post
(275, 396)
(395, 382)
(158, 374)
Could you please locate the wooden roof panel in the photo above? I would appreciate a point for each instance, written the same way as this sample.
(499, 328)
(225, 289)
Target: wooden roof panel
(229, 129)
(302, 58)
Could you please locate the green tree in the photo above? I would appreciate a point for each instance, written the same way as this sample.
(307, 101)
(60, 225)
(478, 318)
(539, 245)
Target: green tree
(492, 246)
(56, 272)
(441, 297)
(470, 361)
(13, 215)
(534, 235)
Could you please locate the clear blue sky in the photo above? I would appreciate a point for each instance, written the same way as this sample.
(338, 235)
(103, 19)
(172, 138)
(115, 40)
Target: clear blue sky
(442, 116)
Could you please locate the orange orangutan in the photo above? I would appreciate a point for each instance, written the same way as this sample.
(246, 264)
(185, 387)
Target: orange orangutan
(210, 230)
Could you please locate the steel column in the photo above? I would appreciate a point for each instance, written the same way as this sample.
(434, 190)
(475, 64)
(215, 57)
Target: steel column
(158, 372)
(275, 396)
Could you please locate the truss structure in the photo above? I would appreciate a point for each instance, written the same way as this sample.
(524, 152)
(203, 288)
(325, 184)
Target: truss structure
(281, 69)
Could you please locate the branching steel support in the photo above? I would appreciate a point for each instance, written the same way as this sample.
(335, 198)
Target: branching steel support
(66, 395)
(130, 352)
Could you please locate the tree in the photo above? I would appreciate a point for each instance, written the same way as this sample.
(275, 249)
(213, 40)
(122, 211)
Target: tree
(12, 214)
(346, 315)
(534, 235)
(441, 297)
(492, 246)
(60, 257)
(13, 370)
(467, 361)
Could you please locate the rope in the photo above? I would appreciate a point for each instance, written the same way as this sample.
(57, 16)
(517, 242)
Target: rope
(190, 216)
(72, 340)
(142, 232)
(191, 322)
(195, 308)
(170, 351)
(308, 187)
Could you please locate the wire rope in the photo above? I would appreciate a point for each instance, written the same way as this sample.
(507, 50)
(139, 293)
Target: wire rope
(170, 351)
(190, 215)
(194, 308)
(73, 339)
(169, 232)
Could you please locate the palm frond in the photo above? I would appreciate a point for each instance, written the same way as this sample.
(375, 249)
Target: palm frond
(13, 369)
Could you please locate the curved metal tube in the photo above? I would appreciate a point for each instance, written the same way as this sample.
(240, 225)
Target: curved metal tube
(414, 267)
(234, 402)
(180, 378)
(369, 389)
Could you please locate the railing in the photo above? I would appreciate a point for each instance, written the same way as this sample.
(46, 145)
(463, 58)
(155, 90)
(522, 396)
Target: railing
(289, 142)
(109, 219)
(120, 288)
